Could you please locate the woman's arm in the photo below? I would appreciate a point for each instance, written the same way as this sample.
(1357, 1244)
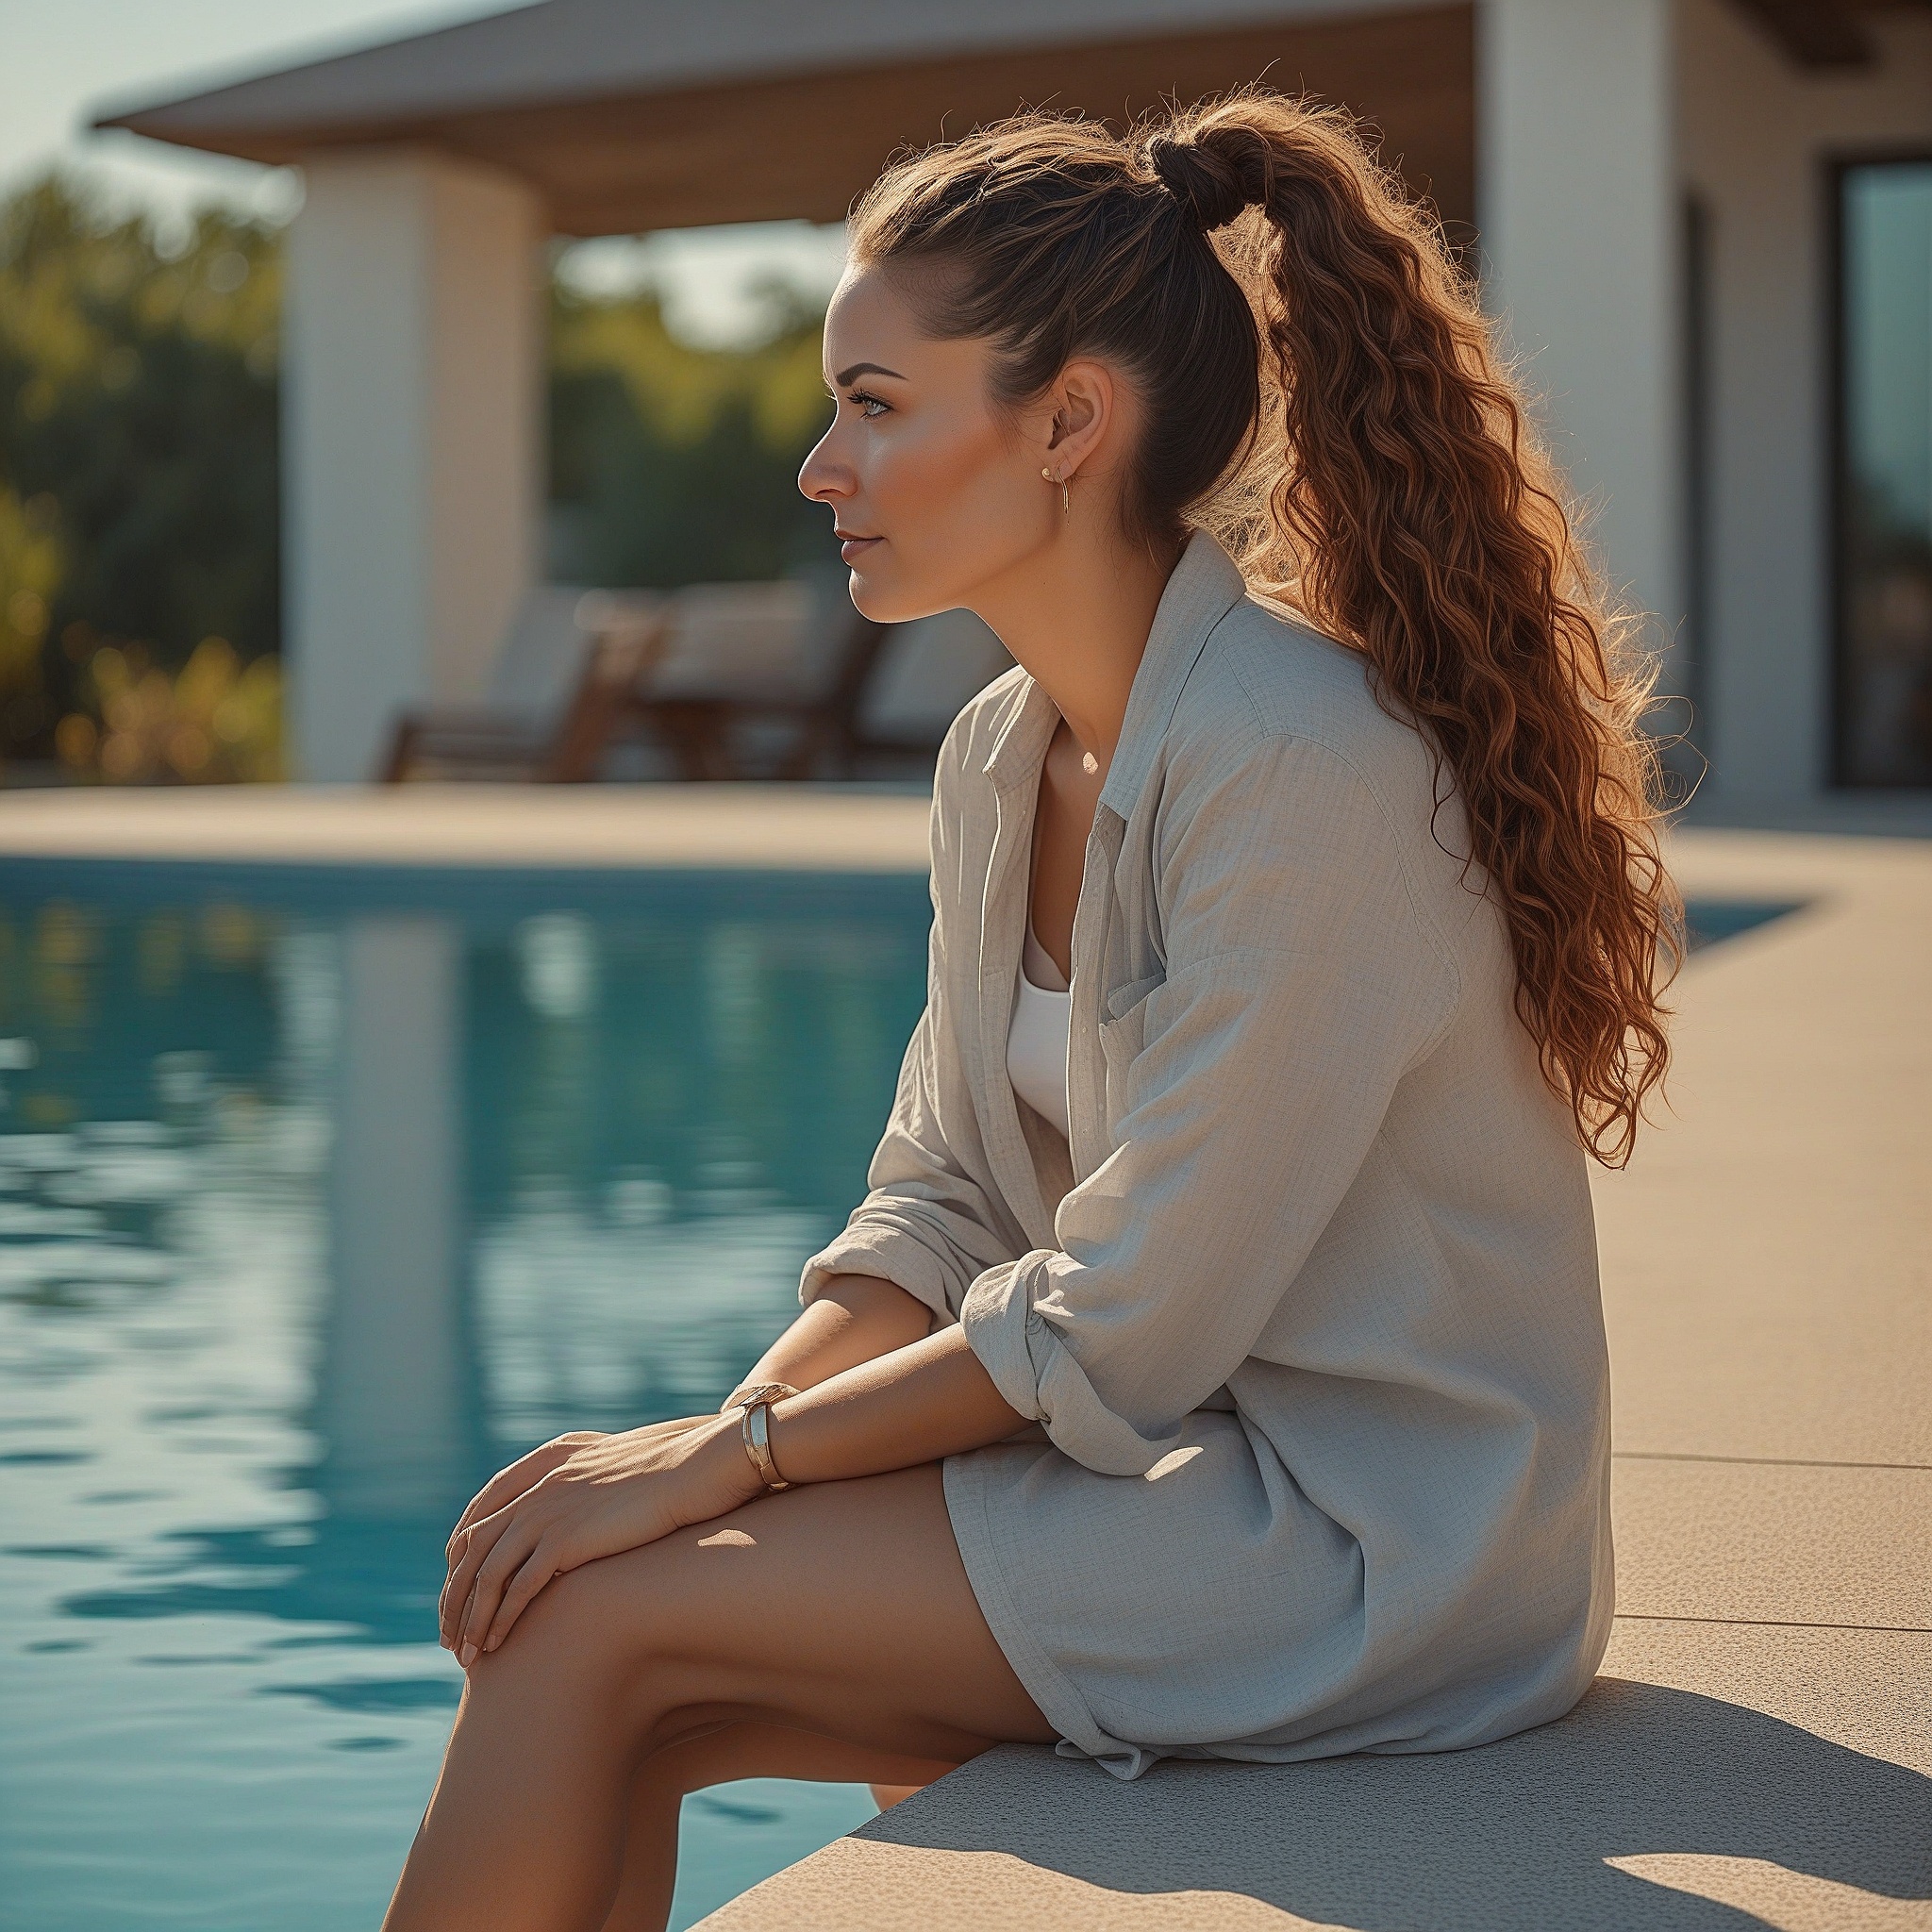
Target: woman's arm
(855, 1318)
(929, 1399)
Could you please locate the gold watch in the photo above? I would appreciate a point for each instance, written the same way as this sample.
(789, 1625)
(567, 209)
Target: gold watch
(756, 1428)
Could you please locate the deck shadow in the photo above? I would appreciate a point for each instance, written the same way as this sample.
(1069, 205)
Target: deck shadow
(1707, 1801)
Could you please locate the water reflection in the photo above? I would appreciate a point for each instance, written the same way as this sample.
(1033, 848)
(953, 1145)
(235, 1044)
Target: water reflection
(396, 1394)
(316, 1205)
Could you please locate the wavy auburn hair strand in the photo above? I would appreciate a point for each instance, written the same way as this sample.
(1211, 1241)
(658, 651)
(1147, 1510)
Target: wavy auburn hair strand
(1323, 390)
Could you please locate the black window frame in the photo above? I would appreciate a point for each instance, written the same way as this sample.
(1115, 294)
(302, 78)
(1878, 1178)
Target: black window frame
(1837, 167)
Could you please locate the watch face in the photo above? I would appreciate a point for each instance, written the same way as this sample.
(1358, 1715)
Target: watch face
(760, 1392)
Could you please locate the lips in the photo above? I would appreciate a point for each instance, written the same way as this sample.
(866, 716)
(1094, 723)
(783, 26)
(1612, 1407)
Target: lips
(851, 547)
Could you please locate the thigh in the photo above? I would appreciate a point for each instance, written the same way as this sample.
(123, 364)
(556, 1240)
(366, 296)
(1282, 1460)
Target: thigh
(841, 1610)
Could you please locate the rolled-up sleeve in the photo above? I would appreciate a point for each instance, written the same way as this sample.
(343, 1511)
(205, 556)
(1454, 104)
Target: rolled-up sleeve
(1303, 983)
(929, 1222)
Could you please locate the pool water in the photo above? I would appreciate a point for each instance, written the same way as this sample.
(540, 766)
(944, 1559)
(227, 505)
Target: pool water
(322, 1196)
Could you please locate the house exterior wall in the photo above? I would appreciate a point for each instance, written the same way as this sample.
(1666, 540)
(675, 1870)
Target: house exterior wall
(1755, 137)
(1576, 198)
(412, 452)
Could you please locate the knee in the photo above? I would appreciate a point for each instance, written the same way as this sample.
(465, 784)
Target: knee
(590, 1627)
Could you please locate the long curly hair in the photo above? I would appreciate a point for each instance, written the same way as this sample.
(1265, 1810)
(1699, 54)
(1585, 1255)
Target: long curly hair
(1321, 390)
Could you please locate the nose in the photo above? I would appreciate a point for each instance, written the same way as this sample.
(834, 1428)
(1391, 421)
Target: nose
(822, 477)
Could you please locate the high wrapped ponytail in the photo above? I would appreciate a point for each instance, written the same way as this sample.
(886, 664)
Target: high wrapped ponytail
(1322, 388)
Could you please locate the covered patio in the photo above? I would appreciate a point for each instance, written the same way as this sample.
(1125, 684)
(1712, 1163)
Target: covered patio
(437, 168)
(1651, 191)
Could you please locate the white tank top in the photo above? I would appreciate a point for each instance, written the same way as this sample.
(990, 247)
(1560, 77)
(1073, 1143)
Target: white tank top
(1036, 1038)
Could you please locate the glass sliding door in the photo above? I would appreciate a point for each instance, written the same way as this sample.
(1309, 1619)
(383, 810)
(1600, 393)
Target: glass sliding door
(1885, 473)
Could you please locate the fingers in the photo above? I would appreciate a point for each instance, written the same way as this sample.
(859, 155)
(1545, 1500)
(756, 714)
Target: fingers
(540, 1502)
(507, 1484)
(537, 1570)
(477, 1543)
(513, 1549)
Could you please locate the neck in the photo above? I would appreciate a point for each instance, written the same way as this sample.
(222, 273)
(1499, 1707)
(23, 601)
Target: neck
(1076, 616)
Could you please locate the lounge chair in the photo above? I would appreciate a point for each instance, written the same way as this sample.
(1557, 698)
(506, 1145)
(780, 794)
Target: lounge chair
(760, 679)
(787, 680)
(559, 699)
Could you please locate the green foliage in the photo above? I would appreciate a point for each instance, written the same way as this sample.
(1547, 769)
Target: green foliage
(214, 719)
(139, 565)
(30, 573)
(138, 444)
(673, 465)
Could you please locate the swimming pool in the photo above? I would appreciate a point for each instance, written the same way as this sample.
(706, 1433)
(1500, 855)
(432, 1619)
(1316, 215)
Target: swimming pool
(322, 1195)
(319, 1197)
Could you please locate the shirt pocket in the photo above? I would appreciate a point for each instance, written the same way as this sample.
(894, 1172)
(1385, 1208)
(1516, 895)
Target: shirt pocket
(1122, 1034)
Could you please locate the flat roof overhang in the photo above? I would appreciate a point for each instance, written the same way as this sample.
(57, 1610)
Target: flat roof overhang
(633, 142)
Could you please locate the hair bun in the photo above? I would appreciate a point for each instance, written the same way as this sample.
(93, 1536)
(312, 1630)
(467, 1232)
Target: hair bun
(1209, 188)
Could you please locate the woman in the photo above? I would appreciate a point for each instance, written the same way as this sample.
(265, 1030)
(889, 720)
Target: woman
(1215, 1367)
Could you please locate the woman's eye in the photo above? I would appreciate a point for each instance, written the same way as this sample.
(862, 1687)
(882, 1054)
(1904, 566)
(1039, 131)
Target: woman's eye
(868, 404)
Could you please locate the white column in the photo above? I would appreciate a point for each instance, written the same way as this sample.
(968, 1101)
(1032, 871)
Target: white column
(395, 1398)
(411, 424)
(1579, 214)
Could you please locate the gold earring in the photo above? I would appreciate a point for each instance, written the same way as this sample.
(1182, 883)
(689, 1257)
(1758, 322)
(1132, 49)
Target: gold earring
(1066, 493)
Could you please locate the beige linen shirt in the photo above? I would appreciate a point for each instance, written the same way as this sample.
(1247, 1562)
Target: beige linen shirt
(1305, 1307)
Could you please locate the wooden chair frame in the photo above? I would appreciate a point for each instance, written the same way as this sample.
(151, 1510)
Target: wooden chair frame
(616, 663)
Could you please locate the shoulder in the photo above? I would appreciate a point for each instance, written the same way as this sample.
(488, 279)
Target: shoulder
(1278, 746)
(963, 788)
(1266, 682)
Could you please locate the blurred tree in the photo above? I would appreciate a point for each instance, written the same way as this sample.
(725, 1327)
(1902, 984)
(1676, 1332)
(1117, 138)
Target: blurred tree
(137, 433)
(671, 464)
(30, 572)
(140, 567)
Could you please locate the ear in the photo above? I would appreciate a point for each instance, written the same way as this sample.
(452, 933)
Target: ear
(1084, 402)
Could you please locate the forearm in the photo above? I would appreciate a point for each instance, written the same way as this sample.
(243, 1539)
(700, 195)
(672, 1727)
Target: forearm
(853, 1319)
(927, 1399)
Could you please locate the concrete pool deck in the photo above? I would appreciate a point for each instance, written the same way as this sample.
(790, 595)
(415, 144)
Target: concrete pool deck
(1758, 1750)
(816, 828)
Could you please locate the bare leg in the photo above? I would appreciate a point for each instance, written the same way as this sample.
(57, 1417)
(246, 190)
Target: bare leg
(839, 1609)
(715, 1757)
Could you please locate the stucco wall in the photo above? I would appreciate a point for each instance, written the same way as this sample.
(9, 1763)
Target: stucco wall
(1755, 138)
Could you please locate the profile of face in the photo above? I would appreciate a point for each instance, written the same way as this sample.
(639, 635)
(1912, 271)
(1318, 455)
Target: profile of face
(936, 492)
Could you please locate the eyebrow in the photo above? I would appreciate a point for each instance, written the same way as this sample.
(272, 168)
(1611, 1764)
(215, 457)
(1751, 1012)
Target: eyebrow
(859, 368)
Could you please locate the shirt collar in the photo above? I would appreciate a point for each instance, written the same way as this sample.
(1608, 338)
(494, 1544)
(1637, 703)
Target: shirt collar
(1204, 585)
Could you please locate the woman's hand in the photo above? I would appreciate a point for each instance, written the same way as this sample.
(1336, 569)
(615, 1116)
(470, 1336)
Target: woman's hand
(579, 1498)
(530, 1469)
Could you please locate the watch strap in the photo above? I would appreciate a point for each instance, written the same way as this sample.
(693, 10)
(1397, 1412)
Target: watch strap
(756, 1431)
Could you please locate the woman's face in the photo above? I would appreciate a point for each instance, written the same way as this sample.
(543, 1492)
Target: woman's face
(934, 496)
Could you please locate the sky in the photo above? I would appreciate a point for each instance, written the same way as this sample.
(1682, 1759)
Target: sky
(61, 60)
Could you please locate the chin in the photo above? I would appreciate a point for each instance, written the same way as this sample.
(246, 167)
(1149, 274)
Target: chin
(898, 597)
(886, 602)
